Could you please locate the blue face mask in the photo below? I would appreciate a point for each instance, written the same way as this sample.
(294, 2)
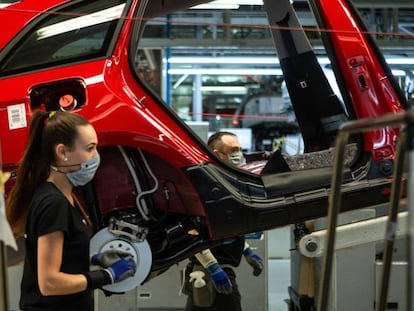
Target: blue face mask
(86, 173)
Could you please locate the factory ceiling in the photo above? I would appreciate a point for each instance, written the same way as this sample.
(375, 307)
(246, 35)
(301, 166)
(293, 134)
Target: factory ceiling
(391, 24)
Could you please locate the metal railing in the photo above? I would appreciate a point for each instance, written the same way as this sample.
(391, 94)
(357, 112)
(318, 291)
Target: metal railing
(405, 139)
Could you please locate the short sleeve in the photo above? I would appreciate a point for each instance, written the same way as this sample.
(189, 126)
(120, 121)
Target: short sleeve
(54, 215)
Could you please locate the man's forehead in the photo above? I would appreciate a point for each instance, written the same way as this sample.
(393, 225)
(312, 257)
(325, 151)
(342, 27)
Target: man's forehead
(231, 141)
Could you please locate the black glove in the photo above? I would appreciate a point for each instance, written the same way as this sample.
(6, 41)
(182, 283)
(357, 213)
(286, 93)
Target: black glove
(108, 258)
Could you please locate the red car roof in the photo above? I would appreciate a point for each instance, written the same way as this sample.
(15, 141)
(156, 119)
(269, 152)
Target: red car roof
(17, 15)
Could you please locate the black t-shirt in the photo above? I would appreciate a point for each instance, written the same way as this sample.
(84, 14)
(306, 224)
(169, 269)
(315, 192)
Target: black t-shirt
(49, 212)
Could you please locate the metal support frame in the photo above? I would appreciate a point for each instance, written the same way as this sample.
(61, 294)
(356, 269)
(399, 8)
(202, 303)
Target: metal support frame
(392, 222)
(410, 195)
(364, 125)
(349, 235)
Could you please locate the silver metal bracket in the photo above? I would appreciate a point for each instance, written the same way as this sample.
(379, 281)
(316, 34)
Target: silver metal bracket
(124, 228)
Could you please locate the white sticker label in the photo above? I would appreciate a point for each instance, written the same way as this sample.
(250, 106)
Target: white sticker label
(17, 116)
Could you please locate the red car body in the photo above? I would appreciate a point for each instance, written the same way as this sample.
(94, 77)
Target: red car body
(177, 182)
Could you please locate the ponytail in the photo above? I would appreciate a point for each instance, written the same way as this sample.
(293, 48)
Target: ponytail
(47, 129)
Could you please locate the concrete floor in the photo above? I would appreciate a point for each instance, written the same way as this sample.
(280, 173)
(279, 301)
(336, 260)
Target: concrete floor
(278, 283)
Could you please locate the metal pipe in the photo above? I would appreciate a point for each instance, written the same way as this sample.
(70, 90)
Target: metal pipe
(334, 207)
(392, 222)
(410, 195)
(367, 124)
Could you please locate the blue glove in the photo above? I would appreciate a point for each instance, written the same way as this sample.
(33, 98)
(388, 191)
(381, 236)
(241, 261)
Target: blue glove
(253, 260)
(108, 258)
(122, 269)
(220, 279)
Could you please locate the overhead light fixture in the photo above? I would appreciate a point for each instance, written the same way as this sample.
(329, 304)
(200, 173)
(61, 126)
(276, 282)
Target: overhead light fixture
(243, 72)
(212, 6)
(400, 61)
(233, 60)
(228, 89)
(265, 61)
(398, 73)
(227, 4)
(223, 60)
(81, 22)
(240, 2)
(224, 71)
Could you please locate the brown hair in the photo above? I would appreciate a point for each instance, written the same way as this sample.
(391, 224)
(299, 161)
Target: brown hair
(47, 129)
(214, 141)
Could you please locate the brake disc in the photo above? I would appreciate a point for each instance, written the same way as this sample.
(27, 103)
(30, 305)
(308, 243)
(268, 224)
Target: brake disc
(104, 240)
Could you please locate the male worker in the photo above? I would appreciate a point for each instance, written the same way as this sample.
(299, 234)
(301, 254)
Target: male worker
(219, 261)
